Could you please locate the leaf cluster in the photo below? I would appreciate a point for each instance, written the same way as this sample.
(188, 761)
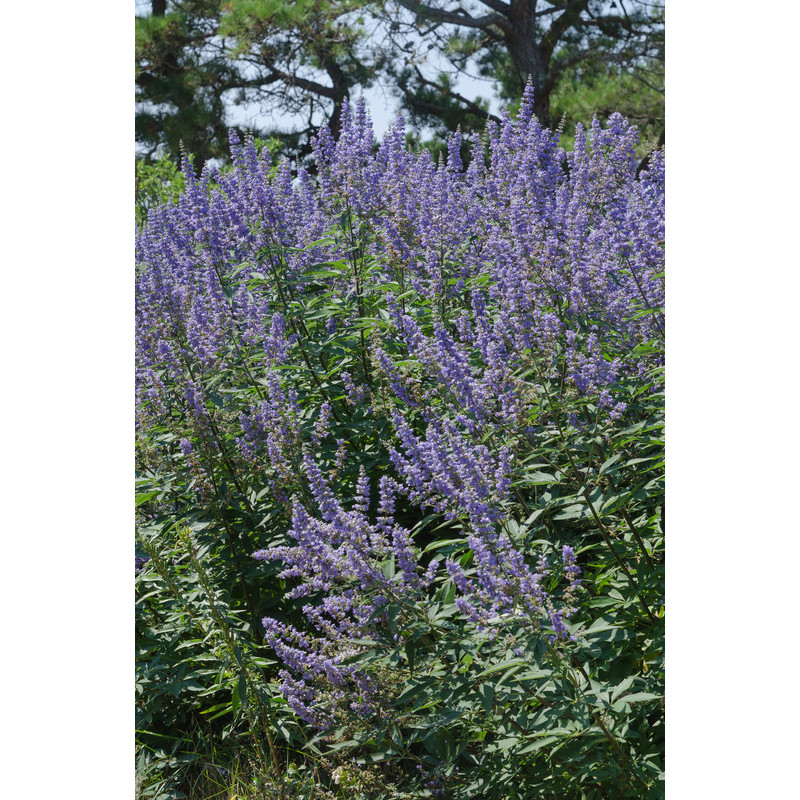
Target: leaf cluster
(467, 711)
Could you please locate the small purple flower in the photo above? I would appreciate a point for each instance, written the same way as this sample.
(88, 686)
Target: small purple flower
(523, 261)
(569, 560)
(355, 394)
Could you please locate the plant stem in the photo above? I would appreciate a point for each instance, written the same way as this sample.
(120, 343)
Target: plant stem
(636, 535)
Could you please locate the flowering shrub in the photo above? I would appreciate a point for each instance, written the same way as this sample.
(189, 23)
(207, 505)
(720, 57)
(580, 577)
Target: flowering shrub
(427, 398)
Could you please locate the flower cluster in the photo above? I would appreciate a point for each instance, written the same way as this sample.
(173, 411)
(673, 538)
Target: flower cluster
(568, 245)
(438, 305)
(337, 560)
(339, 555)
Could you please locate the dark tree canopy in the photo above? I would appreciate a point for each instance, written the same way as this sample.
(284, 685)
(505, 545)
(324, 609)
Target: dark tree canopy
(548, 41)
(195, 59)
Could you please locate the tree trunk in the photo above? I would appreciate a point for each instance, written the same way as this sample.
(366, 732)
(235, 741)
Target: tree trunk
(530, 58)
(341, 92)
(335, 122)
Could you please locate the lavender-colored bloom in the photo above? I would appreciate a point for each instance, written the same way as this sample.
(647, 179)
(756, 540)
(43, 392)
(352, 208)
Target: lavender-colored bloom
(566, 254)
(355, 394)
(449, 473)
(321, 426)
(570, 566)
(571, 571)
(523, 262)
(340, 553)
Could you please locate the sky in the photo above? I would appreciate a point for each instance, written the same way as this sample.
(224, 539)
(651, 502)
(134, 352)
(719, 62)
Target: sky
(381, 105)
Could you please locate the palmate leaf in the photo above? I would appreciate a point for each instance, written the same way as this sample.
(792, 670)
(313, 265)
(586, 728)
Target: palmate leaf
(499, 702)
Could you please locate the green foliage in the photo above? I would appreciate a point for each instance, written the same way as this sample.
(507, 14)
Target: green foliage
(580, 719)
(502, 714)
(637, 95)
(177, 85)
(200, 58)
(542, 40)
(157, 182)
(199, 678)
(302, 59)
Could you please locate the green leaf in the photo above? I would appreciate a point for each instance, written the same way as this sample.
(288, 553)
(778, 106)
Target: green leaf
(235, 698)
(486, 694)
(505, 744)
(538, 479)
(388, 567)
(411, 651)
(141, 499)
(636, 697)
(542, 741)
(622, 687)
(515, 663)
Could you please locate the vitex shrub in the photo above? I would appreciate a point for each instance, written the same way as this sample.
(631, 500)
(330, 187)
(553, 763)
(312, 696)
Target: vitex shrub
(428, 397)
